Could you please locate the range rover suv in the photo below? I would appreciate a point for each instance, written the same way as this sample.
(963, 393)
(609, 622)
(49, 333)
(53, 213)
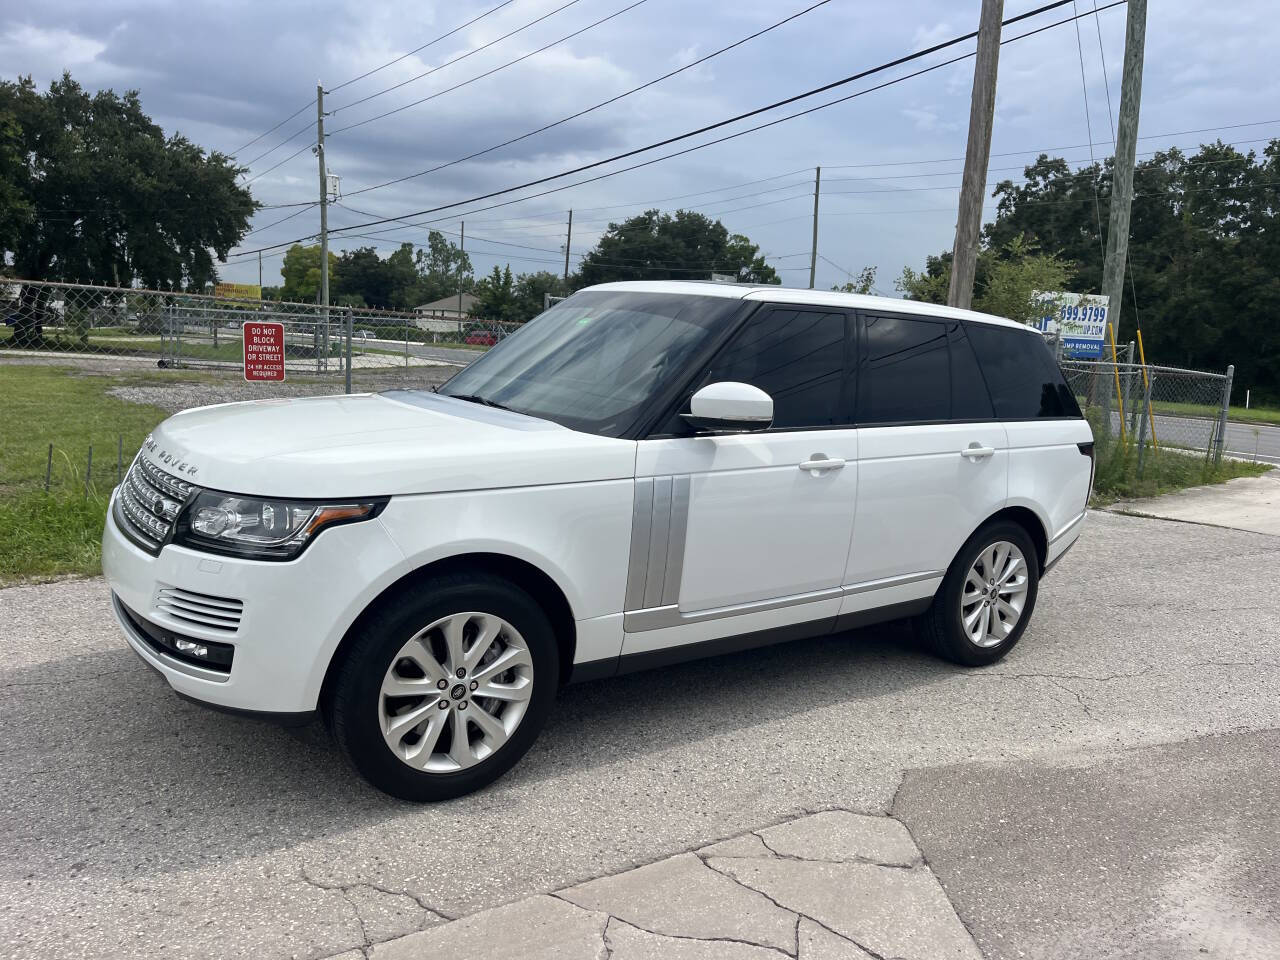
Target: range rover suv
(645, 473)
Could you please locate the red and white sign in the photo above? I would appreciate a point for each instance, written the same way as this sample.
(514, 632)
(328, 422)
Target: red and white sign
(263, 351)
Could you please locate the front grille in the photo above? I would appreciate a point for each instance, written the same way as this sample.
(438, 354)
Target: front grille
(148, 503)
(202, 609)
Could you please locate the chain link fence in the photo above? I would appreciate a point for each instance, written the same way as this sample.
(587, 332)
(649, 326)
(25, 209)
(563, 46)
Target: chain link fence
(1138, 410)
(185, 331)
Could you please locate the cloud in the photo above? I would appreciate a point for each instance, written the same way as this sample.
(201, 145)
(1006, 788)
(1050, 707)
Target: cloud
(54, 45)
(925, 37)
(223, 73)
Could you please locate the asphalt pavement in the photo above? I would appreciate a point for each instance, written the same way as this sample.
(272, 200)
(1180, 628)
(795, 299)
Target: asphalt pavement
(135, 824)
(1247, 441)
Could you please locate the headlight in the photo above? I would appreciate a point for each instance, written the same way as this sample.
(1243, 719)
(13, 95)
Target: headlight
(263, 529)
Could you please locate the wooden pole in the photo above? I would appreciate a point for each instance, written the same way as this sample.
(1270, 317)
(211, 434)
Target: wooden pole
(813, 250)
(1122, 166)
(977, 154)
(568, 240)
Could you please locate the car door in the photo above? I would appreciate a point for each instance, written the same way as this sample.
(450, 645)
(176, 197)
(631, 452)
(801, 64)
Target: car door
(734, 533)
(933, 460)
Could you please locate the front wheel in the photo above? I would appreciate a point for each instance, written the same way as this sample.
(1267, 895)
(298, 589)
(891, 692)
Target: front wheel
(445, 687)
(986, 598)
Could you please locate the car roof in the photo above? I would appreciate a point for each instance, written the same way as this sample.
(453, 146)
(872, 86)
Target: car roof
(820, 298)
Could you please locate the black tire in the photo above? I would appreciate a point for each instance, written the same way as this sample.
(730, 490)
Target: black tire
(353, 708)
(941, 626)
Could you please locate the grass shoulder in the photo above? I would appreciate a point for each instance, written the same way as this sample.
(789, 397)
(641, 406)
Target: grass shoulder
(1120, 477)
(56, 531)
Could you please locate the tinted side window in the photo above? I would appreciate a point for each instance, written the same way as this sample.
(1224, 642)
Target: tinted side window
(905, 373)
(969, 397)
(795, 356)
(1020, 371)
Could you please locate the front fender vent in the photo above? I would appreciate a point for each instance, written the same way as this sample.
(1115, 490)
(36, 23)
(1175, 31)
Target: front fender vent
(202, 609)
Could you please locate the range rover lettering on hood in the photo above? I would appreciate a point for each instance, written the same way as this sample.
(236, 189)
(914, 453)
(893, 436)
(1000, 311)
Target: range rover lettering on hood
(174, 461)
(362, 445)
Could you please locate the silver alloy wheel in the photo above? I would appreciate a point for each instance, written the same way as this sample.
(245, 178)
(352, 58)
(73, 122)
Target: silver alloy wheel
(994, 594)
(455, 692)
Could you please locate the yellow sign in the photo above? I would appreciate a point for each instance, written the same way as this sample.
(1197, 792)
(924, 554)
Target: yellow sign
(238, 291)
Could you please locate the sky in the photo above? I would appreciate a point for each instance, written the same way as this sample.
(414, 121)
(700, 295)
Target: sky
(223, 73)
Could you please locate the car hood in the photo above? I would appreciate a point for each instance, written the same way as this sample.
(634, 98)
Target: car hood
(398, 442)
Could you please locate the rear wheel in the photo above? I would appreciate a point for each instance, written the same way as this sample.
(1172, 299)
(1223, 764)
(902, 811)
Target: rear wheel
(986, 598)
(445, 687)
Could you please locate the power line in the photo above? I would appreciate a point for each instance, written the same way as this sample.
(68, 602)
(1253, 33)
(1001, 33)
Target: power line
(531, 224)
(740, 133)
(306, 106)
(1088, 124)
(238, 257)
(789, 100)
(405, 56)
(304, 129)
(303, 149)
(597, 106)
(276, 223)
(489, 73)
(1106, 82)
(472, 52)
(1073, 146)
(293, 136)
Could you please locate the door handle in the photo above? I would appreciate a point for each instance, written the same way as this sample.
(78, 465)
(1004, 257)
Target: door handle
(976, 451)
(818, 463)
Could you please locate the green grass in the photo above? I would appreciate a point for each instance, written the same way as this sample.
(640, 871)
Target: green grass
(1165, 471)
(1266, 415)
(47, 534)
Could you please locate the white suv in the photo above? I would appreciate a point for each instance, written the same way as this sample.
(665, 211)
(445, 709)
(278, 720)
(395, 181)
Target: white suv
(647, 472)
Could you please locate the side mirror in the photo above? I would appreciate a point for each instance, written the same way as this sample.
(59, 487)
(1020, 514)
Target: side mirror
(730, 407)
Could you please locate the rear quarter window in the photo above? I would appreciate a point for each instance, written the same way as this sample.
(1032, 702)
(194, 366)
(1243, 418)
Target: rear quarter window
(1022, 377)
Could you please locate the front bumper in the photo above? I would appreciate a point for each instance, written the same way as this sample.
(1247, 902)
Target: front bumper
(291, 619)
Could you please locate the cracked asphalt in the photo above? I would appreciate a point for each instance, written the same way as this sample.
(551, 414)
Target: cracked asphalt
(133, 823)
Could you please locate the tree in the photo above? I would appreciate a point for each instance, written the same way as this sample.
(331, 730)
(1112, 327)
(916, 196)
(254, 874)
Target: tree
(100, 195)
(442, 268)
(402, 279)
(496, 294)
(301, 272)
(91, 191)
(531, 290)
(364, 280)
(1007, 284)
(1204, 253)
(683, 246)
(866, 283)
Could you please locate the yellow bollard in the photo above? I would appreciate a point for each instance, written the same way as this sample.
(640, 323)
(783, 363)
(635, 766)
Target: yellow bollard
(1146, 384)
(1115, 370)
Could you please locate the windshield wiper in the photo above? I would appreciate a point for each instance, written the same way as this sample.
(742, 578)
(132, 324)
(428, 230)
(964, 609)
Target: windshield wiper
(476, 398)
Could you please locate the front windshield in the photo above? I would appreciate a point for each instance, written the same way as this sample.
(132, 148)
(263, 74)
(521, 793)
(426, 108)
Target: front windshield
(594, 362)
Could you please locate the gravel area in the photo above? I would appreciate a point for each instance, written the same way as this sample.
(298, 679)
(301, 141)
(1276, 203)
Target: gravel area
(174, 397)
(206, 387)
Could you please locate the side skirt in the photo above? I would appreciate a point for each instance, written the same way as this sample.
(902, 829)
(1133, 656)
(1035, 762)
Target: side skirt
(668, 656)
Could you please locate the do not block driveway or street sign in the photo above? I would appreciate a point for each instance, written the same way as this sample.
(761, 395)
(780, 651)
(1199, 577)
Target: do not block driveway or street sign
(263, 351)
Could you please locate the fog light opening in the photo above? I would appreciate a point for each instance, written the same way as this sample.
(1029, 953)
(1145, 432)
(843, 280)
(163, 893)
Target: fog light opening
(192, 649)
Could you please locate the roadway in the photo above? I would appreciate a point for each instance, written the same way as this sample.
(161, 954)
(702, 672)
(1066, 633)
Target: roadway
(1245, 440)
(1107, 790)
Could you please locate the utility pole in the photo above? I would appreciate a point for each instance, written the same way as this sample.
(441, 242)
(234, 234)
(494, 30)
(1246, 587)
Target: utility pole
(259, 273)
(977, 154)
(813, 250)
(462, 248)
(568, 239)
(1122, 166)
(324, 226)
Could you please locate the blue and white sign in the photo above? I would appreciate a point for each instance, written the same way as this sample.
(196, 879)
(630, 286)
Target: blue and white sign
(1080, 319)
